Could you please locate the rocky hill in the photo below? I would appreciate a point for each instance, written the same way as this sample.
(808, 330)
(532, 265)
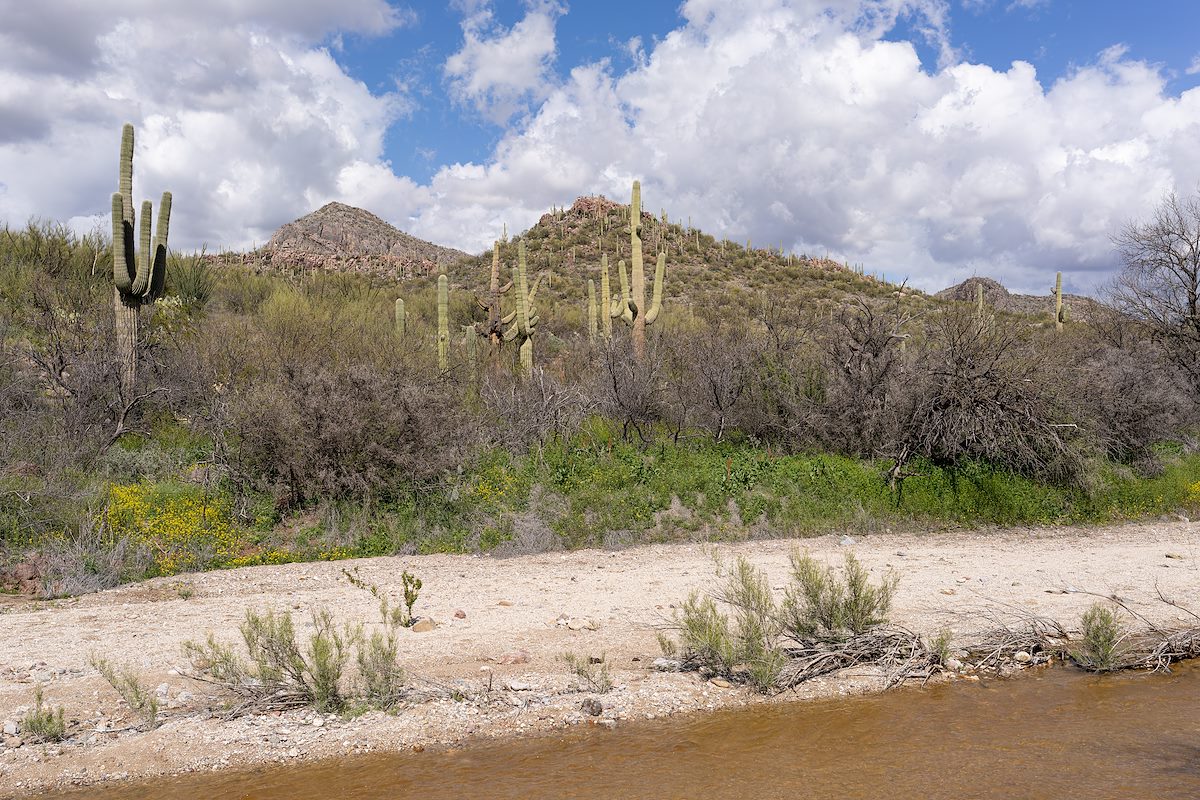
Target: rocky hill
(1001, 299)
(343, 238)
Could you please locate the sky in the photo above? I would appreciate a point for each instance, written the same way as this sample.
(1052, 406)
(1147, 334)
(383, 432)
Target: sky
(929, 140)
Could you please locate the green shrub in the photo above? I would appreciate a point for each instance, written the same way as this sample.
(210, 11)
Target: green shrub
(822, 605)
(140, 699)
(43, 723)
(593, 672)
(1100, 649)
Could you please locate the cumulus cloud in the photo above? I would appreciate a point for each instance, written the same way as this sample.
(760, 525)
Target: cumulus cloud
(798, 123)
(794, 122)
(239, 111)
(499, 71)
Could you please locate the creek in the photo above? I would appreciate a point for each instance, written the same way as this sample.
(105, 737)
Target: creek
(1050, 734)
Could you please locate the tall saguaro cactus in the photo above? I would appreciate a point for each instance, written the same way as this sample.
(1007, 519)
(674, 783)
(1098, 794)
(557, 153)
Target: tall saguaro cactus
(401, 318)
(591, 310)
(525, 324)
(605, 297)
(493, 328)
(139, 269)
(633, 290)
(1060, 313)
(443, 329)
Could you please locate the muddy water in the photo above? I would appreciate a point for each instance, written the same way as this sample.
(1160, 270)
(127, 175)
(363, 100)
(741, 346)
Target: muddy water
(1052, 735)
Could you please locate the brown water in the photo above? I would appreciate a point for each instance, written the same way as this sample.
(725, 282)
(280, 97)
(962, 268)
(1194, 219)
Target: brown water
(1051, 735)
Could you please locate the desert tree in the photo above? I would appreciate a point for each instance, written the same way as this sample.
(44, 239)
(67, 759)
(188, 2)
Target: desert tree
(1160, 282)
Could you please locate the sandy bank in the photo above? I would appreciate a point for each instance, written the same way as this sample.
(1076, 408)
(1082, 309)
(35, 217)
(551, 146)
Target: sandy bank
(513, 626)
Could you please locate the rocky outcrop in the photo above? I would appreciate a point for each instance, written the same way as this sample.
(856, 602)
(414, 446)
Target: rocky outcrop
(343, 238)
(996, 297)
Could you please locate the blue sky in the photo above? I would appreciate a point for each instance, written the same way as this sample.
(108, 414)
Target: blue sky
(894, 133)
(1055, 36)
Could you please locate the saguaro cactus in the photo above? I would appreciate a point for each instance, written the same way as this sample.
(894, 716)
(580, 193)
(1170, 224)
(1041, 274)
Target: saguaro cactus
(493, 328)
(443, 329)
(605, 297)
(633, 290)
(1060, 311)
(591, 310)
(138, 271)
(979, 300)
(401, 318)
(525, 324)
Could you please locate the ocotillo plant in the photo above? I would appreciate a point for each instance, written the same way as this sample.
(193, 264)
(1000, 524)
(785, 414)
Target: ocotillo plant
(138, 272)
(979, 300)
(633, 291)
(401, 319)
(443, 329)
(1060, 311)
(526, 321)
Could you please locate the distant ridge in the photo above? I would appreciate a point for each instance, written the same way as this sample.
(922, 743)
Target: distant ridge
(342, 238)
(1001, 299)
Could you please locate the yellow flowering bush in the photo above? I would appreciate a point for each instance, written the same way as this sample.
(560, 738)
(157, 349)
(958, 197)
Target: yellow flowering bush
(1193, 495)
(184, 527)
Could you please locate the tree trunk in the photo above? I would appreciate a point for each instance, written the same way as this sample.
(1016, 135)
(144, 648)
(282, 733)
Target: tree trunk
(126, 318)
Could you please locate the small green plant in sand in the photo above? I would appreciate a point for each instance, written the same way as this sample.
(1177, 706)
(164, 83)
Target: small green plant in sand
(1100, 648)
(140, 699)
(43, 723)
(592, 671)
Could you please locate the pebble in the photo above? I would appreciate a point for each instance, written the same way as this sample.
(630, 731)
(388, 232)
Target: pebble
(1175, 555)
(592, 707)
(948, 591)
(666, 665)
(953, 664)
(423, 625)
(519, 686)
(460, 614)
(504, 603)
(514, 657)
(846, 540)
(721, 683)
(10, 728)
(1022, 657)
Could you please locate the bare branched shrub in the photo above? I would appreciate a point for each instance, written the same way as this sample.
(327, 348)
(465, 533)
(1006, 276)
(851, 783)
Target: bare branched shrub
(630, 390)
(976, 392)
(530, 413)
(854, 386)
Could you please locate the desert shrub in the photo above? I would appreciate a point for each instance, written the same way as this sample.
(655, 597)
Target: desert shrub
(529, 413)
(1102, 634)
(592, 672)
(92, 559)
(975, 393)
(745, 646)
(44, 723)
(138, 697)
(821, 604)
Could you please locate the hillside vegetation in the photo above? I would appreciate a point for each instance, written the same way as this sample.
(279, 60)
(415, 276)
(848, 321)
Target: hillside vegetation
(284, 414)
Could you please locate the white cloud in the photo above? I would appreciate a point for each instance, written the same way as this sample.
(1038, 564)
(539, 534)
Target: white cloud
(797, 122)
(239, 112)
(500, 70)
(790, 121)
